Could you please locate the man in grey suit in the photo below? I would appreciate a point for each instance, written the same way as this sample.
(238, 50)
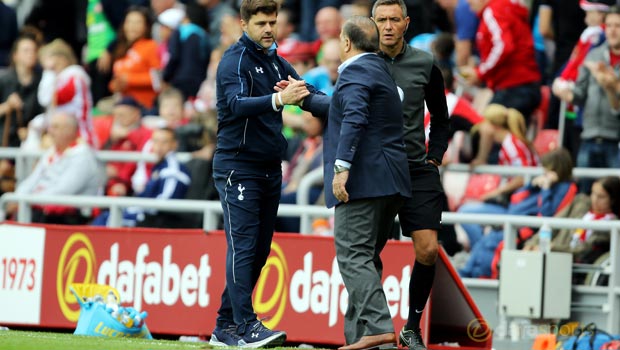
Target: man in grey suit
(366, 166)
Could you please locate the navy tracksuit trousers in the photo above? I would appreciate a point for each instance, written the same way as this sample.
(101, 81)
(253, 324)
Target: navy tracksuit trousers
(250, 202)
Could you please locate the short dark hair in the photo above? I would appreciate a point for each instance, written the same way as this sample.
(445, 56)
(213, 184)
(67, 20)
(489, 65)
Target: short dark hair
(251, 7)
(400, 3)
(169, 131)
(362, 32)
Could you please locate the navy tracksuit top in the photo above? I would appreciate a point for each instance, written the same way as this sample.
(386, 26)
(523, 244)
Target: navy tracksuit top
(249, 129)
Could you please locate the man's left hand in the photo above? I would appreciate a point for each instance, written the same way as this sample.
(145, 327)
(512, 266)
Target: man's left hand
(338, 186)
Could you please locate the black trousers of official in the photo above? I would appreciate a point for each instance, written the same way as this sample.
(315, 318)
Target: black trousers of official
(250, 202)
(361, 230)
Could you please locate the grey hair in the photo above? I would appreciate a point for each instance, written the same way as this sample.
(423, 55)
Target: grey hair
(400, 3)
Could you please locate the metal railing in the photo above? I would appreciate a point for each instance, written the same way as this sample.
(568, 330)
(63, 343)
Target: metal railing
(211, 211)
(24, 159)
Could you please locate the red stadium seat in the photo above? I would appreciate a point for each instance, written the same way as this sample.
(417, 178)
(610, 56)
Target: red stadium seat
(479, 185)
(546, 140)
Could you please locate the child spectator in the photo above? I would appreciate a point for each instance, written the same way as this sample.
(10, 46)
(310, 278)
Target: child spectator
(603, 203)
(504, 126)
(65, 86)
(544, 196)
(169, 179)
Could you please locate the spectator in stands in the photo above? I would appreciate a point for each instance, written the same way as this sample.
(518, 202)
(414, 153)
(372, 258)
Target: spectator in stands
(308, 10)
(168, 179)
(18, 101)
(327, 23)
(172, 116)
(190, 52)
(301, 56)
(171, 110)
(136, 64)
(8, 33)
(506, 127)
(68, 168)
(563, 22)
(160, 6)
(157, 7)
(595, 90)
(168, 21)
(603, 203)
(592, 37)
(65, 86)
(507, 62)
(121, 132)
(544, 196)
(18, 90)
(324, 76)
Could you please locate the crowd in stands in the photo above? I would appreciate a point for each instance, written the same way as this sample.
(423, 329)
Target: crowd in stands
(139, 75)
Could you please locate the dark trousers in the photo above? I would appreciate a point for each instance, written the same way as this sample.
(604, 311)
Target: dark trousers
(596, 153)
(250, 203)
(524, 98)
(362, 228)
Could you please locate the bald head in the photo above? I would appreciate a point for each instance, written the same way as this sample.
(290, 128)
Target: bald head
(65, 120)
(362, 32)
(63, 129)
(327, 23)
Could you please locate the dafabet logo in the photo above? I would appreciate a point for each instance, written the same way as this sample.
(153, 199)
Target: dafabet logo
(276, 303)
(478, 330)
(77, 260)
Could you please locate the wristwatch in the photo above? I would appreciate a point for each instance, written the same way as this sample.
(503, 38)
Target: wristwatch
(340, 169)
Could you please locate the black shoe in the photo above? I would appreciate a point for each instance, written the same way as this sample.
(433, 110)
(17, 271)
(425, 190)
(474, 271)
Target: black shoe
(412, 339)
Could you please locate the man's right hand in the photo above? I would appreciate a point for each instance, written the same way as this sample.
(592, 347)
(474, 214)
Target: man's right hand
(294, 91)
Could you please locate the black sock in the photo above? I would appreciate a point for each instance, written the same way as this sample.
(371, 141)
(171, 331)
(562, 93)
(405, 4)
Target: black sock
(422, 278)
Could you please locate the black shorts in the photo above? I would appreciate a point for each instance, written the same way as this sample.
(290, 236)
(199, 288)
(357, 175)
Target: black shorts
(423, 210)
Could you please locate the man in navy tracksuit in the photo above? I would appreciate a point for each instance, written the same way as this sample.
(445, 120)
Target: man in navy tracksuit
(247, 165)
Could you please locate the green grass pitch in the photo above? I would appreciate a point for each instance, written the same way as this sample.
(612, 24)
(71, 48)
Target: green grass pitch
(25, 340)
(35, 340)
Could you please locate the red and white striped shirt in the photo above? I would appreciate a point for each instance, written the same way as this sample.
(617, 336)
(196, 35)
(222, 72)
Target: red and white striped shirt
(515, 152)
(70, 93)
